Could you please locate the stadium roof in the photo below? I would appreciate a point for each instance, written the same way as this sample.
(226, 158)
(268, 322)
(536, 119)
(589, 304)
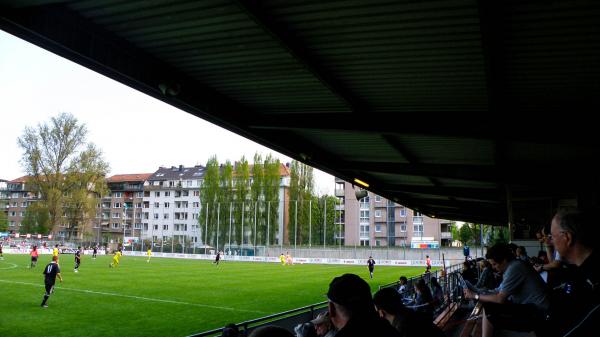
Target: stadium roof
(470, 110)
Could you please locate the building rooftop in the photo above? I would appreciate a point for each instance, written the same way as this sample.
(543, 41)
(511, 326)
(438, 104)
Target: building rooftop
(117, 178)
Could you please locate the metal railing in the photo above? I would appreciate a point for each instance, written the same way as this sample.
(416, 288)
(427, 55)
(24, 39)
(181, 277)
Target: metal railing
(287, 319)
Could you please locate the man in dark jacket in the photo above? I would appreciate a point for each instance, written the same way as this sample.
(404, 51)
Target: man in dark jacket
(352, 310)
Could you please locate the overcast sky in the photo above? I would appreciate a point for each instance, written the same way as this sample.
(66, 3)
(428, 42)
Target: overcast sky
(136, 133)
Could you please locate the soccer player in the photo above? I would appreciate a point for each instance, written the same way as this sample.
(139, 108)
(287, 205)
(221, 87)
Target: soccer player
(371, 265)
(34, 256)
(51, 271)
(116, 258)
(217, 258)
(77, 259)
(1, 254)
(95, 252)
(282, 259)
(428, 262)
(149, 254)
(55, 251)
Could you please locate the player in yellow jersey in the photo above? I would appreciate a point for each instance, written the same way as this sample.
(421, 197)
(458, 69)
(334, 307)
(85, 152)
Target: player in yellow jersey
(149, 254)
(282, 259)
(55, 251)
(116, 258)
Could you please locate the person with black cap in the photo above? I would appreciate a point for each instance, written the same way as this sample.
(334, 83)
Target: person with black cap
(352, 311)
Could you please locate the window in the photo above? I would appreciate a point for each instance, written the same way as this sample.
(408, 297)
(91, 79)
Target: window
(377, 228)
(378, 213)
(145, 226)
(403, 226)
(167, 205)
(403, 212)
(137, 226)
(115, 225)
(156, 205)
(13, 213)
(155, 227)
(155, 215)
(377, 242)
(157, 194)
(167, 193)
(24, 204)
(195, 216)
(116, 215)
(22, 214)
(166, 227)
(186, 193)
(377, 198)
(364, 216)
(196, 193)
(165, 215)
(138, 205)
(139, 194)
(195, 204)
(117, 205)
(417, 214)
(364, 242)
(118, 195)
(146, 215)
(189, 183)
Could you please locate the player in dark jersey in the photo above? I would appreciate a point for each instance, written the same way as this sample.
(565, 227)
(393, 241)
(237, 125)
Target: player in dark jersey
(217, 258)
(371, 265)
(95, 252)
(51, 271)
(77, 259)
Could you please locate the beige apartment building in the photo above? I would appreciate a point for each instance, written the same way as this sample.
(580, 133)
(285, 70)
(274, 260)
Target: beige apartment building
(376, 221)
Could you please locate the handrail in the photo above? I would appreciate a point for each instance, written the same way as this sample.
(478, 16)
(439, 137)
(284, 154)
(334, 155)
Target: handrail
(247, 324)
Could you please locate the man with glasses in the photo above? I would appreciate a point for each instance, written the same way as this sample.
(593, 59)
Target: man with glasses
(575, 302)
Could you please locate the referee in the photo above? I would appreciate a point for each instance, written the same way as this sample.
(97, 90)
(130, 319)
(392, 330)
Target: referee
(51, 271)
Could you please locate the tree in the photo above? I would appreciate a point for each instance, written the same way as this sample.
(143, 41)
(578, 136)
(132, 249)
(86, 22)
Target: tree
(209, 197)
(465, 234)
(271, 183)
(36, 219)
(3, 221)
(301, 191)
(61, 165)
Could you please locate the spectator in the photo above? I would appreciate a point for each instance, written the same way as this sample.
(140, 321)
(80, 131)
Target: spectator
(402, 284)
(323, 325)
(352, 311)
(305, 330)
(520, 302)
(436, 292)
(271, 331)
(230, 330)
(521, 254)
(469, 273)
(486, 278)
(424, 299)
(408, 323)
(574, 308)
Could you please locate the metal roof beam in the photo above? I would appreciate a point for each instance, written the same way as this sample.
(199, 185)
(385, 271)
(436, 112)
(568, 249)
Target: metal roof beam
(288, 40)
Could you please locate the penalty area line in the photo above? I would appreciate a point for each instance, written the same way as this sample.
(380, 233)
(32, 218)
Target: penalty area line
(137, 297)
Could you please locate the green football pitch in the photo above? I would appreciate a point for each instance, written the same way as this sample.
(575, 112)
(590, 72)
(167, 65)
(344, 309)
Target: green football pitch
(166, 297)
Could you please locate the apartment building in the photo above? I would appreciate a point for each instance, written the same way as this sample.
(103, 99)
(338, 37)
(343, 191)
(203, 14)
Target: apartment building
(121, 212)
(18, 198)
(376, 221)
(4, 198)
(171, 205)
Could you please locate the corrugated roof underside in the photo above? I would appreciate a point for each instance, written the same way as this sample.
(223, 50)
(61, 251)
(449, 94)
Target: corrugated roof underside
(242, 62)
(396, 56)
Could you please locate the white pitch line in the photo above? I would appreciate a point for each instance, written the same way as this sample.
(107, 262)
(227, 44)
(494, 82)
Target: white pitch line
(13, 266)
(138, 297)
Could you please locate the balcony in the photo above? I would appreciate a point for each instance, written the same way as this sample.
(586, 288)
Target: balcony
(339, 192)
(446, 235)
(339, 207)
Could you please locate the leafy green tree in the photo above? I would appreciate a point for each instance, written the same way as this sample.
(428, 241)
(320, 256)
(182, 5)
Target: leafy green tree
(36, 219)
(301, 191)
(271, 182)
(500, 235)
(226, 200)
(3, 221)
(61, 163)
(465, 234)
(242, 195)
(209, 197)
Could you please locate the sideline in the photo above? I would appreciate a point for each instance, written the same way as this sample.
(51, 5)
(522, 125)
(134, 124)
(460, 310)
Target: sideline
(137, 297)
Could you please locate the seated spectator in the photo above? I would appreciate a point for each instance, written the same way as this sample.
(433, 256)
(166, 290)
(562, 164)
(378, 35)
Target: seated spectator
(574, 304)
(323, 325)
(520, 303)
(486, 278)
(437, 293)
(408, 323)
(271, 331)
(352, 311)
(230, 330)
(403, 282)
(469, 273)
(305, 330)
(521, 254)
(424, 299)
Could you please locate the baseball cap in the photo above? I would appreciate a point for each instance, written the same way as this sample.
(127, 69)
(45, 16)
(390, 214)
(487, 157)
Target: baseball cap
(350, 291)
